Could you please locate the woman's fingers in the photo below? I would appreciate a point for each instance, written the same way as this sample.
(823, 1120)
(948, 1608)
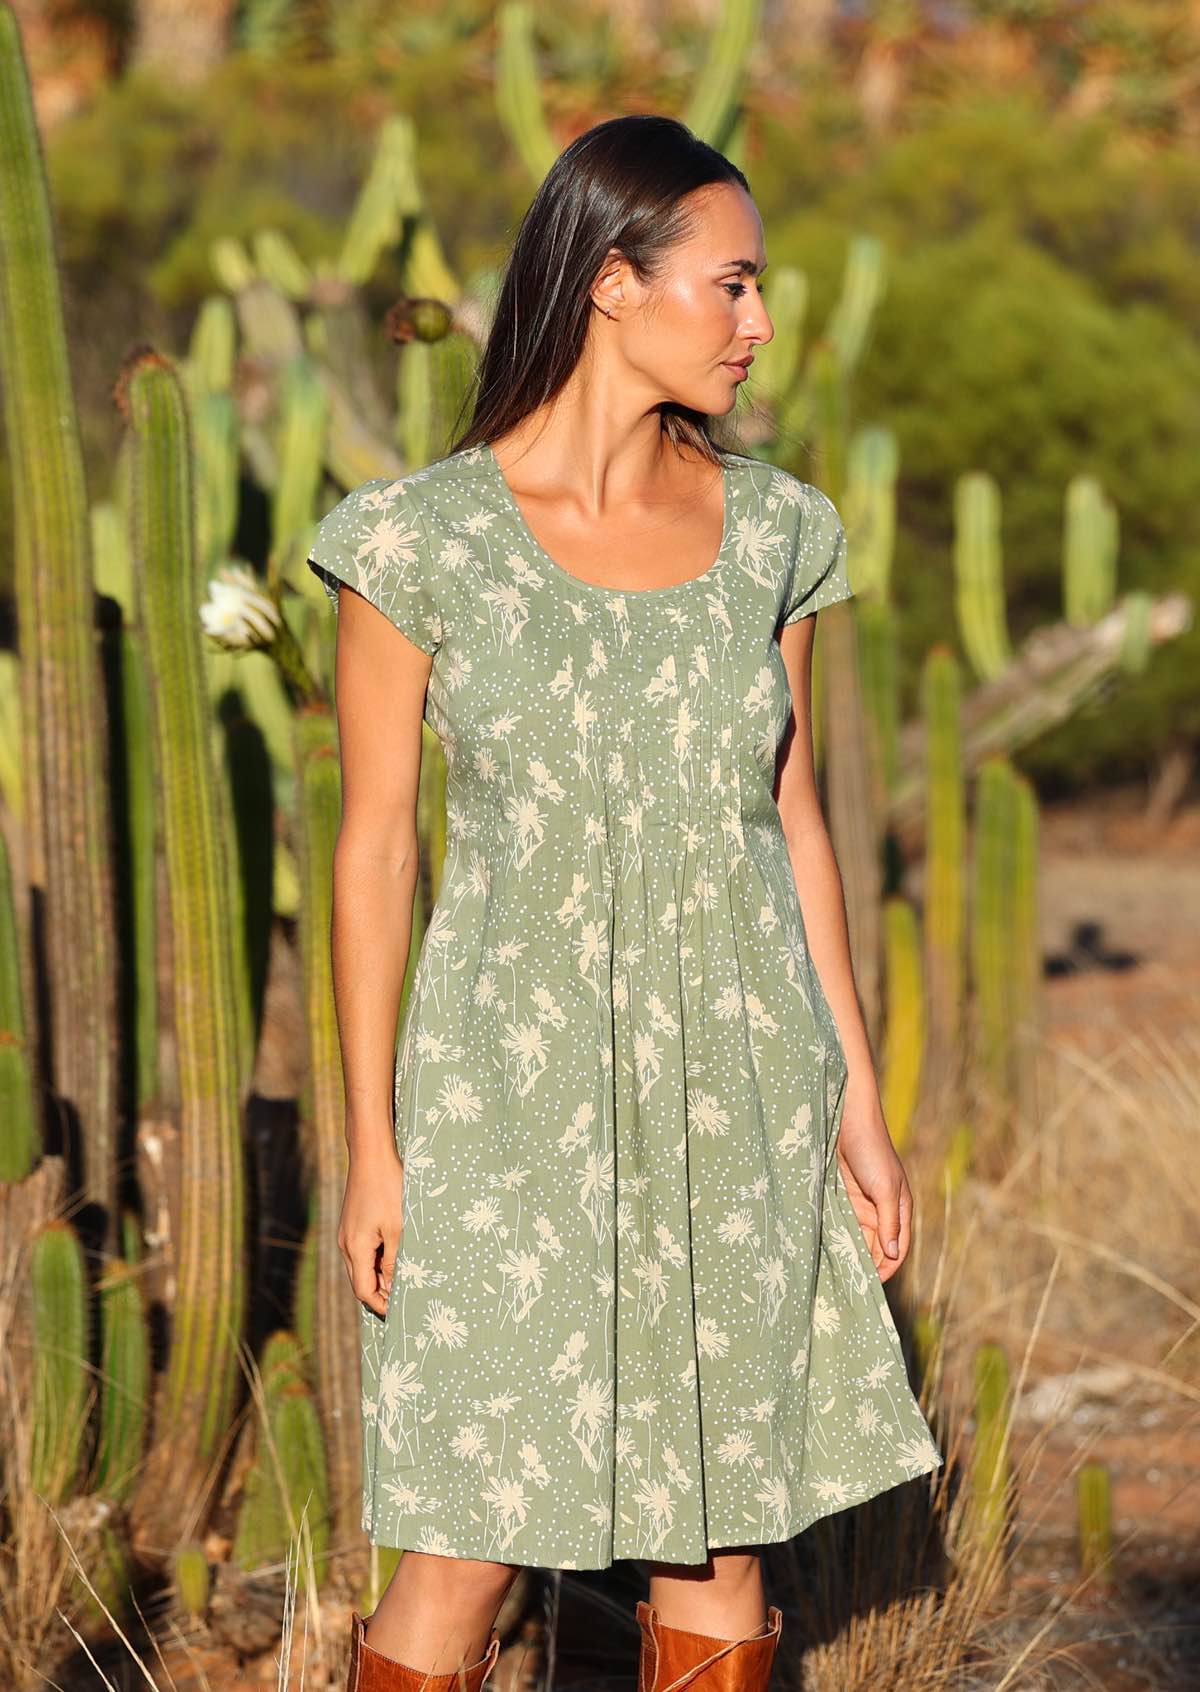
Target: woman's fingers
(906, 1206)
(889, 1220)
(360, 1258)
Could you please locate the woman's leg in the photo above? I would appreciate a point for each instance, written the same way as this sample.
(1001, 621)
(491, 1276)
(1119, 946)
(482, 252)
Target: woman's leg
(437, 1612)
(723, 1597)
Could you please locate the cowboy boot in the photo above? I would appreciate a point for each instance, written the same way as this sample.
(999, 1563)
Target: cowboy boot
(371, 1671)
(674, 1660)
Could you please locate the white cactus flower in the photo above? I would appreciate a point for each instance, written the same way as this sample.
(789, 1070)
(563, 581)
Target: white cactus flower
(239, 613)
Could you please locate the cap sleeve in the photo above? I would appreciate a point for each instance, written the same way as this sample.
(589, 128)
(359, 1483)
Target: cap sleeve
(375, 541)
(819, 575)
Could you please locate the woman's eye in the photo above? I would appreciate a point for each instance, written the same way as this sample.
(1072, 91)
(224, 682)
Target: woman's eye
(739, 288)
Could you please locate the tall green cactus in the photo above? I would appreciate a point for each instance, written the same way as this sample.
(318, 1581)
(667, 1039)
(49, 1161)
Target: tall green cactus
(191, 1580)
(945, 873)
(1025, 976)
(960, 1147)
(59, 1323)
(992, 941)
(712, 109)
(990, 1475)
(928, 1330)
(518, 92)
(853, 821)
(1094, 1494)
(288, 1477)
(63, 720)
(210, 1288)
(335, 1363)
(124, 1382)
(1005, 954)
(905, 1041)
(980, 574)
(1090, 546)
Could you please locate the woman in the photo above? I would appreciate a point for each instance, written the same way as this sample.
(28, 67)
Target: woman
(620, 1253)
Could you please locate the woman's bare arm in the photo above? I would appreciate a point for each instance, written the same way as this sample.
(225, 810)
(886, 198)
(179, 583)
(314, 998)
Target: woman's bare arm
(380, 683)
(873, 1174)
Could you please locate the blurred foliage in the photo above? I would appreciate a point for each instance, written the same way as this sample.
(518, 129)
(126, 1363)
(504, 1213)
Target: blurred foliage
(1028, 166)
(1040, 319)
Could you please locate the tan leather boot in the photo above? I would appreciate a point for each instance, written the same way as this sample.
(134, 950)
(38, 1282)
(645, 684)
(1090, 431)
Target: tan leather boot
(674, 1660)
(371, 1671)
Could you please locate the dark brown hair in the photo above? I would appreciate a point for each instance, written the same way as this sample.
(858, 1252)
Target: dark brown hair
(621, 185)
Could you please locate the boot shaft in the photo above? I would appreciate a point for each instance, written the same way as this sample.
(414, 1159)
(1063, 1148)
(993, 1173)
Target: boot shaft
(676, 1660)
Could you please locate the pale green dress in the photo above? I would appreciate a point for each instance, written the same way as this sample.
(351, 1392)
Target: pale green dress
(633, 1313)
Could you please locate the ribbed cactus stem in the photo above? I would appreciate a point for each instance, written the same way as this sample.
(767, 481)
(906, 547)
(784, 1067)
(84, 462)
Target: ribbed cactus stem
(58, 1306)
(928, 1338)
(713, 107)
(125, 1382)
(1095, 1521)
(957, 1161)
(905, 1038)
(518, 89)
(852, 820)
(63, 717)
(192, 1580)
(288, 1478)
(945, 871)
(979, 572)
(989, 1456)
(1090, 545)
(19, 1138)
(1026, 973)
(879, 661)
(299, 453)
(210, 1286)
(335, 1360)
(992, 937)
(416, 379)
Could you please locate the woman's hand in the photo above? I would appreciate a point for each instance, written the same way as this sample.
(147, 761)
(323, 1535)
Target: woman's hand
(875, 1183)
(371, 1225)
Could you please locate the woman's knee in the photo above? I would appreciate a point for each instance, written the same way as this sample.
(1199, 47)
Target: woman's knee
(456, 1578)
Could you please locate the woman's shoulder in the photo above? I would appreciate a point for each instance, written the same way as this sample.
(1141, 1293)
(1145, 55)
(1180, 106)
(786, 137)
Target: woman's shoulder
(780, 490)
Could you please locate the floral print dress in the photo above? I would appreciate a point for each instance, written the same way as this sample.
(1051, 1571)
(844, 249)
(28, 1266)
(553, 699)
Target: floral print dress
(633, 1314)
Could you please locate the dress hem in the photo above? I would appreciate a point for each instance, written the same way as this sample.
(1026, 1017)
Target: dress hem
(577, 1565)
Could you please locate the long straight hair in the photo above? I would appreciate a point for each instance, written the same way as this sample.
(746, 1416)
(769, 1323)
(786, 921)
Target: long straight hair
(619, 185)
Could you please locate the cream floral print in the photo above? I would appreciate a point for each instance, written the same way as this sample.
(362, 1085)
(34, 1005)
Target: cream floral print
(633, 1313)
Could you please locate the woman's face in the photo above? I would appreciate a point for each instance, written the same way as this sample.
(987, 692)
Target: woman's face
(680, 335)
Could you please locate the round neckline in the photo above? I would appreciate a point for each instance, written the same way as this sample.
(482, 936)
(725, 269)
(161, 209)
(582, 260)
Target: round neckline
(727, 515)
